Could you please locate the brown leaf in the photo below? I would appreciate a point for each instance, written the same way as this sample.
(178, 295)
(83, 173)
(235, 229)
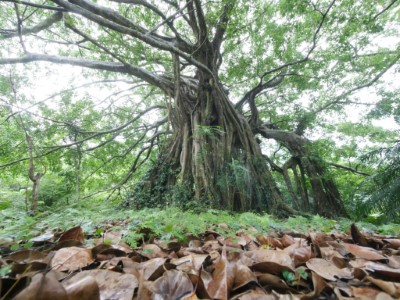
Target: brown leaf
(301, 255)
(144, 292)
(222, 279)
(26, 256)
(66, 244)
(287, 240)
(368, 293)
(70, 259)
(110, 253)
(173, 284)
(392, 288)
(394, 262)
(99, 248)
(270, 267)
(357, 236)
(269, 242)
(382, 271)
(392, 243)
(43, 287)
(320, 238)
(363, 252)
(29, 267)
(86, 288)
(189, 262)
(256, 294)
(75, 233)
(328, 253)
(112, 285)
(327, 269)
(152, 251)
(242, 276)
(319, 285)
(212, 245)
(271, 281)
(264, 255)
(230, 242)
(153, 268)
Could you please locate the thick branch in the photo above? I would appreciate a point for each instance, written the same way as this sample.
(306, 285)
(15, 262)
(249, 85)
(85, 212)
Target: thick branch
(221, 27)
(203, 31)
(54, 18)
(91, 64)
(47, 7)
(192, 18)
(112, 20)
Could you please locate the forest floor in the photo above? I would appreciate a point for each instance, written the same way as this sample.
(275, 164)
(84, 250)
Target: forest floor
(97, 252)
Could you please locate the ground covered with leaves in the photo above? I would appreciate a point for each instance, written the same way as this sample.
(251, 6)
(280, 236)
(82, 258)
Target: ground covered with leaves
(176, 255)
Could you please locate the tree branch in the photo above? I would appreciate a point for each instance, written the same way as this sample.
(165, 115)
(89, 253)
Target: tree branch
(47, 7)
(384, 10)
(368, 84)
(349, 169)
(92, 64)
(54, 18)
(203, 31)
(221, 27)
(192, 18)
(112, 20)
(250, 95)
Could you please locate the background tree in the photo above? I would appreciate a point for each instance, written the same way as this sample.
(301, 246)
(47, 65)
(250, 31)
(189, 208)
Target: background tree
(224, 76)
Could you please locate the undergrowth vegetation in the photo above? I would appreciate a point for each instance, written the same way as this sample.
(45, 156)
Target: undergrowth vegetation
(97, 216)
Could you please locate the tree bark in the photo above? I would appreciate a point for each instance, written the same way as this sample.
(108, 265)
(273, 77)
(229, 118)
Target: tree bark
(35, 178)
(326, 196)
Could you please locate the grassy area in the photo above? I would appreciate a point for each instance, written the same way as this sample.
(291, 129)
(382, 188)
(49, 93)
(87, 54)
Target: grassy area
(96, 216)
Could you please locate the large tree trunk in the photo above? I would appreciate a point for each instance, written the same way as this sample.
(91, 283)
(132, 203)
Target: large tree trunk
(325, 195)
(214, 153)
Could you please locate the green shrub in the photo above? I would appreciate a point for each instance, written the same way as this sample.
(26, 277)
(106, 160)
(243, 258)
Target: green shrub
(52, 189)
(5, 203)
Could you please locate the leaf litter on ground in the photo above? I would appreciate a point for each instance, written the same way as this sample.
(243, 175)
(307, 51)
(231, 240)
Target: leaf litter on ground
(215, 264)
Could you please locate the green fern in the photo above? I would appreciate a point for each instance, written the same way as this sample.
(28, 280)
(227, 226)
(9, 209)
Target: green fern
(384, 187)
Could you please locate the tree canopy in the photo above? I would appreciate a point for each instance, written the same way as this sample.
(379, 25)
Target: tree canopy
(244, 105)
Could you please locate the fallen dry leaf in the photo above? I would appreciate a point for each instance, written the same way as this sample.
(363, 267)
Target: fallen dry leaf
(363, 252)
(173, 284)
(112, 285)
(75, 233)
(264, 255)
(86, 288)
(26, 256)
(357, 236)
(43, 287)
(392, 288)
(222, 279)
(71, 258)
(294, 266)
(393, 243)
(327, 269)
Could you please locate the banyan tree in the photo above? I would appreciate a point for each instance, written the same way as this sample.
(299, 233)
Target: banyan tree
(229, 76)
